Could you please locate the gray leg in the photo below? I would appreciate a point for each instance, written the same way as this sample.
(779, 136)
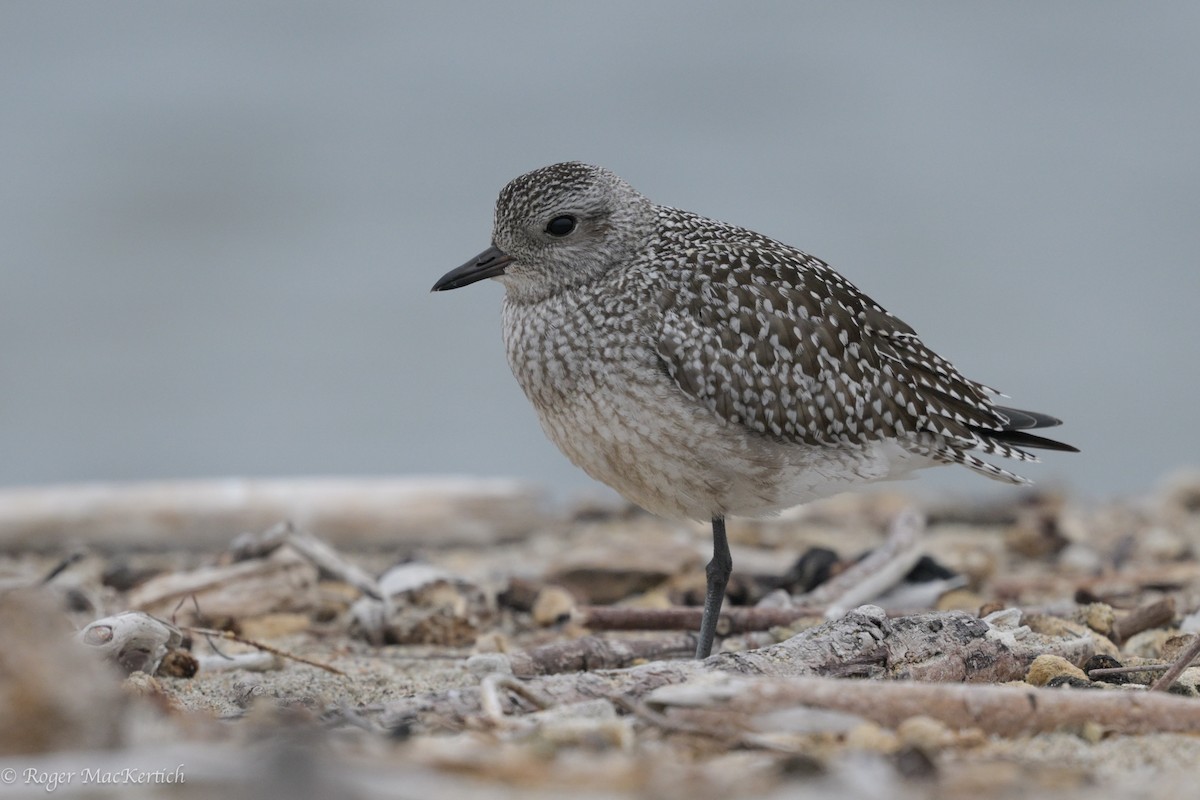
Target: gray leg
(718, 571)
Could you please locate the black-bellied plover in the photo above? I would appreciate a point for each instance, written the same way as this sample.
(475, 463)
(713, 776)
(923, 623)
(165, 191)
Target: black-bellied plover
(704, 370)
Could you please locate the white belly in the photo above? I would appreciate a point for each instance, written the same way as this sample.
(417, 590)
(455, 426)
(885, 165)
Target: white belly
(671, 456)
(610, 408)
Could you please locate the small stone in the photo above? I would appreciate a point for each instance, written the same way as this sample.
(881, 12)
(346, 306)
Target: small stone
(1099, 617)
(926, 733)
(1174, 646)
(553, 605)
(139, 684)
(1036, 535)
(492, 642)
(178, 664)
(872, 738)
(959, 600)
(1047, 667)
(1100, 661)
(1161, 544)
(914, 763)
(1079, 558)
(1149, 644)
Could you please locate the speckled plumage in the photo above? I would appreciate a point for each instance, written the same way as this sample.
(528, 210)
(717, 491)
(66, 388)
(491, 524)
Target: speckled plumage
(704, 370)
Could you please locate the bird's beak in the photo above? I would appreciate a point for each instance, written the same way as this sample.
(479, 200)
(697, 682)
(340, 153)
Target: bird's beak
(488, 264)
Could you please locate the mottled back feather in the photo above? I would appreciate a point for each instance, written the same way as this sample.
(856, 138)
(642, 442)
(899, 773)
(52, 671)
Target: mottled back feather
(773, 339)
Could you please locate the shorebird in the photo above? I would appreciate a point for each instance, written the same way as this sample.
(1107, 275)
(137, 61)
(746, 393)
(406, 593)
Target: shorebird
(704, 370)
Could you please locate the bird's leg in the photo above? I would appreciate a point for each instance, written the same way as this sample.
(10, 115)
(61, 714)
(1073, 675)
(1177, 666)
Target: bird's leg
(717, 571)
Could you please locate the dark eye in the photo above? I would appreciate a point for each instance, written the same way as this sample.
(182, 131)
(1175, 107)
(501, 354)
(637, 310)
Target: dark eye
(561, 226)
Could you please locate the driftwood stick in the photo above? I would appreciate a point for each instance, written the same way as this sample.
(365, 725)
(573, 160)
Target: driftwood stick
(1125, 582)
(319, 552)
(687, 618)
(938, 646)
(1104, 672)
(284, 581)
(204, 514)
(999, 710)
(1142, 618)
(935, 646)
(593, 652)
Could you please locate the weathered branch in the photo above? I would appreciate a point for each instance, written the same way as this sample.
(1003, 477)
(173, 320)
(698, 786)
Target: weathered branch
(938, 646)
(687, 618)
(999, 710)
(1143, 618)
(206, 514)
(593, 652)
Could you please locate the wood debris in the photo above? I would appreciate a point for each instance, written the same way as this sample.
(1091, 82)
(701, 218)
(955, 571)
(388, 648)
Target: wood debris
(558, 659)
(282, 581)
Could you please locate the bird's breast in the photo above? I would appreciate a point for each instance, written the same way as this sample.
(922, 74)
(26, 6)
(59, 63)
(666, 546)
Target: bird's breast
(565, 348)
(602, 397)
(594, 380)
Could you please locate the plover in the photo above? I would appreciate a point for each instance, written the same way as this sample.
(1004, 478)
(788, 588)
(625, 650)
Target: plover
(704, 370)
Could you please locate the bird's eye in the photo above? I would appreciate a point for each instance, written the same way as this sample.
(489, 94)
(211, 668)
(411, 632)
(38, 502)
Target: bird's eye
(561, 226)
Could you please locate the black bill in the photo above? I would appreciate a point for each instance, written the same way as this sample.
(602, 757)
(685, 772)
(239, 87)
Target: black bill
(488, 264)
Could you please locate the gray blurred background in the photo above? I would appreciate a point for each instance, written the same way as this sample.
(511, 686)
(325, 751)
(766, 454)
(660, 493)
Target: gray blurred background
(220, 221)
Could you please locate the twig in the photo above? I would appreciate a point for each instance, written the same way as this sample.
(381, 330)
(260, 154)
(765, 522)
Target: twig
(199, 615)
(62, 565)
(233, 637)
(1102, 672)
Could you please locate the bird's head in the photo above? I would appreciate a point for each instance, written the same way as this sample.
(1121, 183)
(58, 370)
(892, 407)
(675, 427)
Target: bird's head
(558, 227)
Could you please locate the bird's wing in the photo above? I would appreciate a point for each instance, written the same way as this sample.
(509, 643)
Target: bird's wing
(775, 340)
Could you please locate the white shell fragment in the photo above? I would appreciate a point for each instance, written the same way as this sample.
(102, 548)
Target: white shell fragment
(135, 641)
